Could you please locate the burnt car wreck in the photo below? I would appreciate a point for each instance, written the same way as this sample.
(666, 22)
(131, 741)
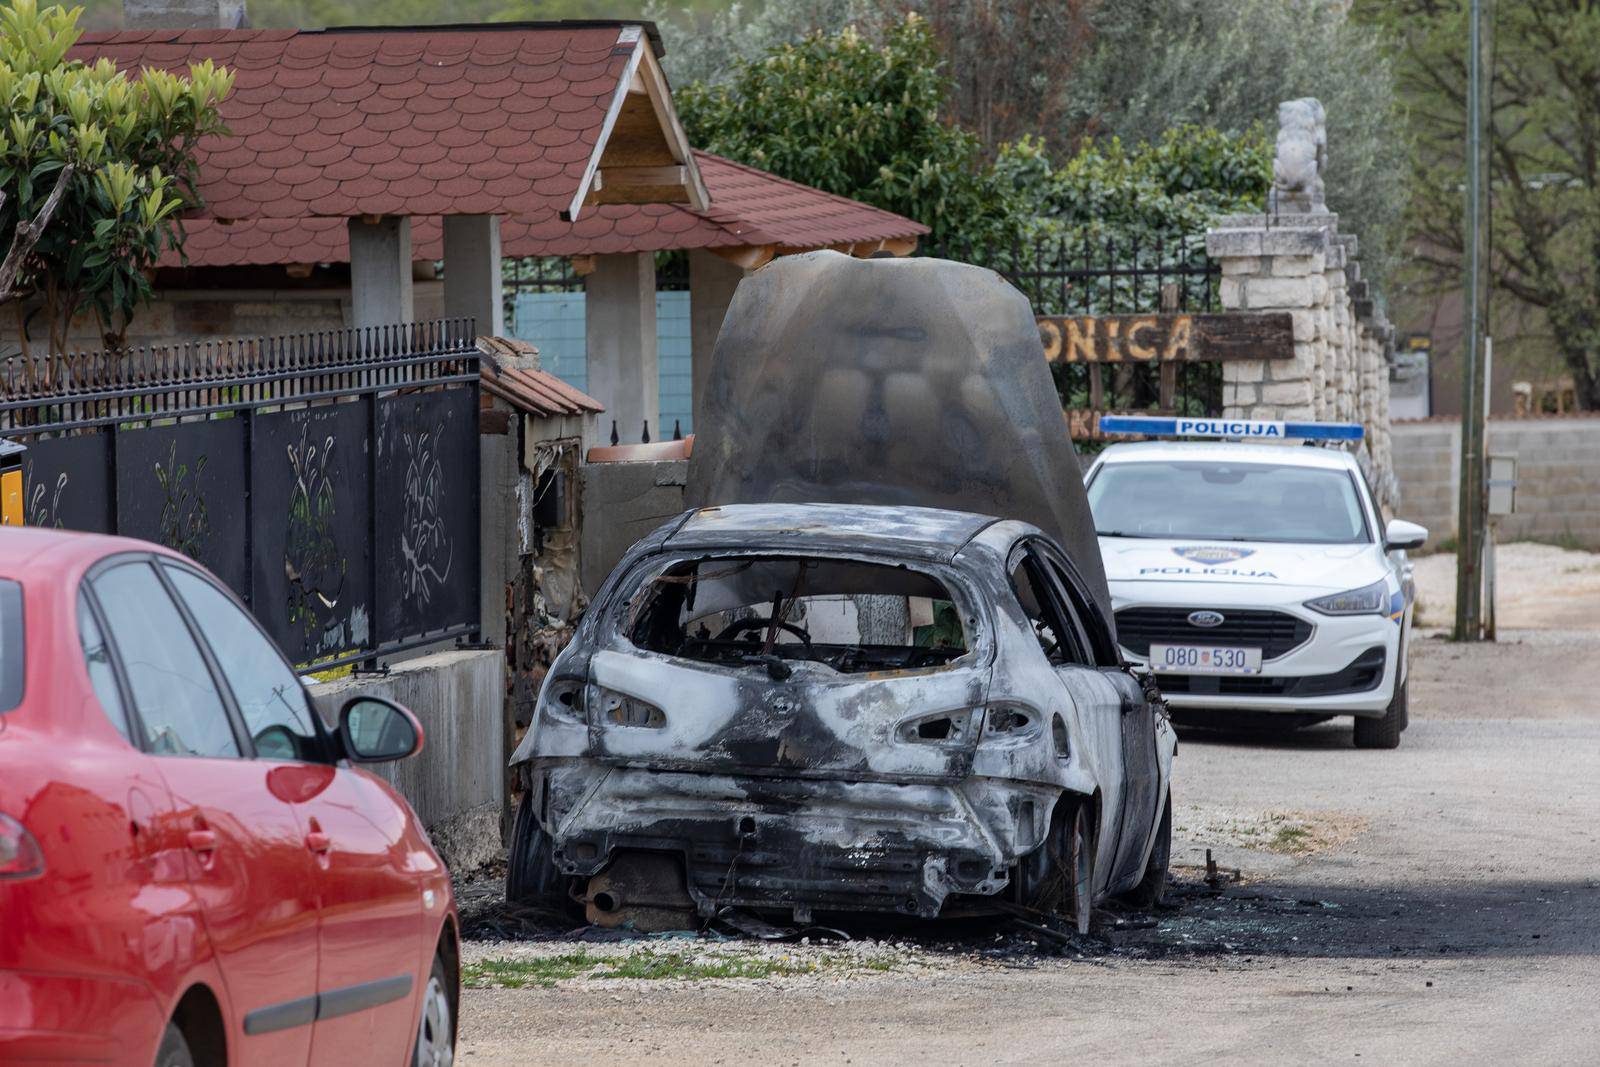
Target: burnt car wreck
(816, 694)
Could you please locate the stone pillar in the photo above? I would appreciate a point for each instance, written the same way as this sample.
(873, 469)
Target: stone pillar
(712, 281)
(472, 272)
(620, 321)
(1288, 260)
(1277, 264)
(380, 271)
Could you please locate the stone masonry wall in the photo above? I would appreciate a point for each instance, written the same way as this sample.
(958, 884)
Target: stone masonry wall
(1295, 260)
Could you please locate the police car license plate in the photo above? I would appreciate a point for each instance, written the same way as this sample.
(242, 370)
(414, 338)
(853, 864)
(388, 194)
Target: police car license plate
(1204, 659)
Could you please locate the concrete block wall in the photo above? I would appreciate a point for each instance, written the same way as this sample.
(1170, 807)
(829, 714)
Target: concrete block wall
(632, 499)
(1558, 476)
(457, 783)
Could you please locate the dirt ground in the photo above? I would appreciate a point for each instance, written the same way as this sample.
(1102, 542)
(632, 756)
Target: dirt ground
(1435, 904)
(1542, 587)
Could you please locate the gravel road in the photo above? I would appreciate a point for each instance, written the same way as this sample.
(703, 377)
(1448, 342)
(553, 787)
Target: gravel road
(1434, 904)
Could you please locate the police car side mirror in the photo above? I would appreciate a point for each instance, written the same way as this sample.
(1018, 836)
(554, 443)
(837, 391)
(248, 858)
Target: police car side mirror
(1401, 534)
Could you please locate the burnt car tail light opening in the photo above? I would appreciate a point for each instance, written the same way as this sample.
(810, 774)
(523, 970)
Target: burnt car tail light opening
(620, 709)
(944, 728)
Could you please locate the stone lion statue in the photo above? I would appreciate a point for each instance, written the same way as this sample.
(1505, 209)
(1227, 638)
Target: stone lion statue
(1302, 155)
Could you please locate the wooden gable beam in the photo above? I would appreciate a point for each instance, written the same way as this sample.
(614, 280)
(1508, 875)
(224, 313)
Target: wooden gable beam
(642, 155)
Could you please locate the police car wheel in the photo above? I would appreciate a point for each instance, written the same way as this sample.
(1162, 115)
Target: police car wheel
(1384, 732)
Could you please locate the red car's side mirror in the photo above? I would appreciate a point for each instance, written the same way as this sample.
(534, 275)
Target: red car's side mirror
(374, 730)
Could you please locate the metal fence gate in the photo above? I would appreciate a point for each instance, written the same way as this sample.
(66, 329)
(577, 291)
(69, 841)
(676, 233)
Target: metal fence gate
(1084, 277)
(330, 479)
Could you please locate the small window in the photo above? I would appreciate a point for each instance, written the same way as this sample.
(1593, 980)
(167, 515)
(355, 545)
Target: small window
(11, 644)
(102, 674)
(850, 615)
(1084, 619)
(1038, 604)
(172, 688)
(269, 695)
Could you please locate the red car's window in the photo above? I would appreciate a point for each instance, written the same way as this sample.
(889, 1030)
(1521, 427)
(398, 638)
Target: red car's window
(102, 675)
(269, 694)
(10, 644)
(177, 701)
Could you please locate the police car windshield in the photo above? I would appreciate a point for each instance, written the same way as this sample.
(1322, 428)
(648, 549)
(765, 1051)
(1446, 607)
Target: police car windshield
(1227, 502)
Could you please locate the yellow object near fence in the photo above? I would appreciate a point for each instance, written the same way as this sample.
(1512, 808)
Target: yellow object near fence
(11, 483)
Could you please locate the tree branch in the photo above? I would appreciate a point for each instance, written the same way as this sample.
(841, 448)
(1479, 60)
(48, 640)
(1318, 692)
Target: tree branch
(28, 233)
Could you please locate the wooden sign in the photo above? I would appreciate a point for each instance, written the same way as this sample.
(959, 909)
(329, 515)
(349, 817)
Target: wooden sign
(1084, 425)
(1167, 338)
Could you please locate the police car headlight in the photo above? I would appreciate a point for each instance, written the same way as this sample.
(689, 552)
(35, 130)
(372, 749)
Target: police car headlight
(1368, 600)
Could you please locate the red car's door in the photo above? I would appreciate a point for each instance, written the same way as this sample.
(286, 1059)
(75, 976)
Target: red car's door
(372, 960)
(372, 923)
(250, 867)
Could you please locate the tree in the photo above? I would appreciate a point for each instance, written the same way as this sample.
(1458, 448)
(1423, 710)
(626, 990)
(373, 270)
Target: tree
(1013, 61)
(1543, 159)
(117, 156)
(1228, 64)
(861, 118)
(710, 46)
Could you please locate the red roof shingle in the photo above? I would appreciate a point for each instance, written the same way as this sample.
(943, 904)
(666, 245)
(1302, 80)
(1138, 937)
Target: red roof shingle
(748, 207)
(338, 123)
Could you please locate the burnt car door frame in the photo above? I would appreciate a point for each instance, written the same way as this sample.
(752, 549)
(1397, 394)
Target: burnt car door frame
(1033, 553)
(1141, 764)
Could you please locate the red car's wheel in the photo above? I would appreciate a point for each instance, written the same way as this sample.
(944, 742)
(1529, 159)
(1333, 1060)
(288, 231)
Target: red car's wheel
(436, 1034)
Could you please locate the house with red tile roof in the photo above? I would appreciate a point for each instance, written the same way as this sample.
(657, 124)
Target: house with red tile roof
(380, 175)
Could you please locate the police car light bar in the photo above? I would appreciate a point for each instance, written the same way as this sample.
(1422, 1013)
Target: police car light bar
(1248, 429)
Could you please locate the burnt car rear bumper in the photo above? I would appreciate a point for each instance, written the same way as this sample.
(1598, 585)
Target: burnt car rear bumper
(781, 843)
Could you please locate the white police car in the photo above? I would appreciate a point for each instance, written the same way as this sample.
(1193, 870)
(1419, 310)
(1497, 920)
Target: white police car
(1256, 576)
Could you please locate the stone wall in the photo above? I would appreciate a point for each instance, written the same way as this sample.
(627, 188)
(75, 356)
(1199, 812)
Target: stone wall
(456, 784)
(1558, 476)
(181, 315)
(621, 503)
(1296, 260)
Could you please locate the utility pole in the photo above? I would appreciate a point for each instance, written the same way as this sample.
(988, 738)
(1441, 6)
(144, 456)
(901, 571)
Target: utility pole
(1470, 519)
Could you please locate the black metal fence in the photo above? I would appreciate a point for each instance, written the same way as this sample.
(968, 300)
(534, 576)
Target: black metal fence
(1096, 275)
(331, 479)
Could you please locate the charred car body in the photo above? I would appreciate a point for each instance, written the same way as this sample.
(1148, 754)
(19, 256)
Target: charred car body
(817, 694)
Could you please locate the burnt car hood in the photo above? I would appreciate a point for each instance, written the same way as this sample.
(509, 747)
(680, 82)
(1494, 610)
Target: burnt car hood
(917, 382)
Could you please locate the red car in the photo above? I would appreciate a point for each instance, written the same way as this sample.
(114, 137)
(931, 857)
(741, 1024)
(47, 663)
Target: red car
(193, 868)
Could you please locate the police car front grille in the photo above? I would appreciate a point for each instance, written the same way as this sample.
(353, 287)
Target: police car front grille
(1273, 632)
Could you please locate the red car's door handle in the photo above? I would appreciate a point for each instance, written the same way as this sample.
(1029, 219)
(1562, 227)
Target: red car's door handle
(317, 841)
(203, 840)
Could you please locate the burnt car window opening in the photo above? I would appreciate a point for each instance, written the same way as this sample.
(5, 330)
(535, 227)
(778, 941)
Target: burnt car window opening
(10, 644)
(1056, 636)
(850, 615)
(1084, 617)
(1227, 502)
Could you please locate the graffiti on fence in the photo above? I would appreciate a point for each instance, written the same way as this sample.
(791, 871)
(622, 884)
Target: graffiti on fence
(311, 560)
(184, 521)
(44, 506)
(424, 541)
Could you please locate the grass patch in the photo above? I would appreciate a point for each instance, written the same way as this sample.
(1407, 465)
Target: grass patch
(650, 965)
(1291, 839)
